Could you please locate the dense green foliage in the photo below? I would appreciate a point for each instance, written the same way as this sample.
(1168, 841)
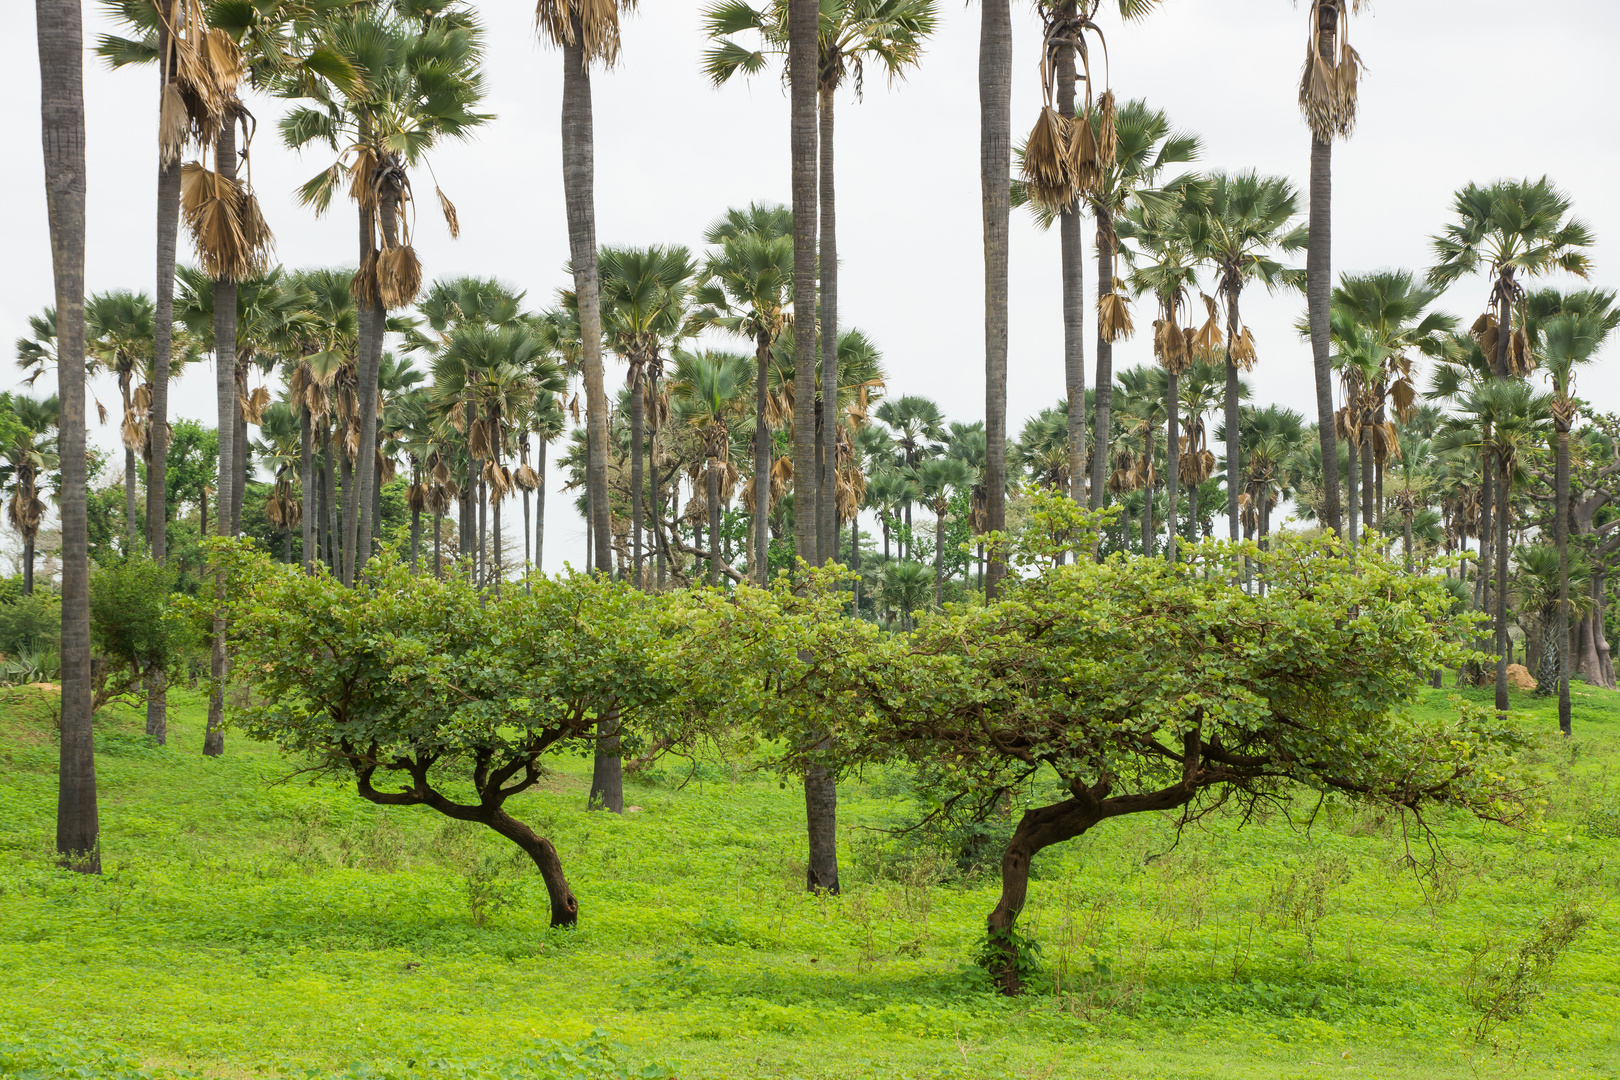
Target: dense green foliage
(249, 922)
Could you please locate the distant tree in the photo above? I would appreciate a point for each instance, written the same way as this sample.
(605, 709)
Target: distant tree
(135, 626)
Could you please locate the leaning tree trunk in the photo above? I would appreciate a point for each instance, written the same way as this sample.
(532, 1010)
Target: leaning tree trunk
(1561, 424)
(827, 497)
(225, 395)
(1102, 415)
(579, 172)
(1039, 828)
(60, 31)
(803, 76)
(564, 907)
(995, 171)
(1072, 254)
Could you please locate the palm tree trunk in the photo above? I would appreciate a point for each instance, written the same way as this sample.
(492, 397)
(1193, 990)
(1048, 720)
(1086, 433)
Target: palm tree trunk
(370, 328)
(995, 172)
(1354, 490)
(239, 457)
(855, 561)
(540, 506)
(579, 181)
(306, 479)
(1406, 538)
(1172, 464)
(498, 576)
(803, 77)
(157, 420)
(1318, 292)
(60, 31)
(827, 497)
(939, 558)
(1503, 522)
(1192, 511)
(416, 519)
(1561, 538)
(528, 534)
(482, 564)
(132, 523)
(225, 387)
(712, 491)
(345, 496)
(330, 498)
(1234, 444)
(1102, 415)
(762, 470)
(438, 556)
(638, 409)
(1368, 492)
(1072, 255)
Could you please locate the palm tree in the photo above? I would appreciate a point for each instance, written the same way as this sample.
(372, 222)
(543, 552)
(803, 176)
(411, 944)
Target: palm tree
(326, 337)
(1541, 591)
(30, 454)
(408, 79)
(1145, 393)
(937, 478)
(904, 585)
(119, 329)
(1566, 331)
(889, 32)
(1516, 227)
(278, 449)
(1248, 218)
(587, 33)
(59, 27)
(644, 304)
(1272, 437)
(746, 289)
(1327, 99)
(918, 429)
(1201, 388)
(709, 395)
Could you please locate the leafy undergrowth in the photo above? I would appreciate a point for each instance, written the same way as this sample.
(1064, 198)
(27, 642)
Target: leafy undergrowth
(252, 923)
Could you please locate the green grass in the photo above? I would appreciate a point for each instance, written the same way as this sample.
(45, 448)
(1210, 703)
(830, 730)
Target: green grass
(248, 923)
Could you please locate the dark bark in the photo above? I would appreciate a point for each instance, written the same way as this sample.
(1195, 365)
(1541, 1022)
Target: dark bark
(157, 425)
(995, 170)
(1234, 442)
(827, 501)
(225, 394)
(579, 182)
(804, 77)
(1072, 255)
(607, 772)
(1172, 464)
(540, 505)
(637, 478)
(239, 458)
(1561, 538)
(329, 496)
(821, 822)
(1503, 521)
(60, 34)
(369, 328)
(1102, 415)
(712, 474)
(1318, 293)
(762, 472)
(306, 480)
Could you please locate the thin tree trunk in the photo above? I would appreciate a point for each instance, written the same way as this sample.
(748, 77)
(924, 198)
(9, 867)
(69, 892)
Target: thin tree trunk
(1354, 490)
(157, 420)
(1318, 293)
(225, 387)
(1368, 491)
(306, 480)
(855, 560)
(60, 32)
(1072, 255)
(712, 473)
(239, 458)
(329, 496)
(482, 564)
(370, 328)
(416, 519)
(132, 524)
(1503, 522)
(638, 408)
(995, 170)
(1172, 464)
(1234, 445)
(579, 171)
(498, 577)
(939, 559)
(540, 506)
(1561, 538)
(762, 470)
(1102, 415)
(438, 557)
(528, 535)
(827, 499)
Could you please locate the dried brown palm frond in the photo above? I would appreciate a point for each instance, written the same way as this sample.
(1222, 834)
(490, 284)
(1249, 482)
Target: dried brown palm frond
(451, 221)
(131, 433)
(1048, 173)
(526, 478)
(1404, 397)
(416, 498)
(697, 509)
(1114, 317)
(174, 124)
(1521, 361)
(1384, 440)
(1328, 86)
(362, 170)
(26, 511)
(597, 30)
(1107, 135)
(1196, 466)
(440, 473)
(480, 439)
(143, 397)
(1242, 351)
(252, 405)
(499, 479)
(399, 276)
(364, 287)
(226, 65)
(1208, 339)
(223, 218)
(1170, 346)
(1488, 335)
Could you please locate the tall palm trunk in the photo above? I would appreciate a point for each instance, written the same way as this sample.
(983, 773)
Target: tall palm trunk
(855, 561)
(939, 558)
(1319, 282)
(1369, 497)
(1234, 446)
(1072, 254)
(306, 478)
(329, 495)
(1561, 538)
(638, 423)
(239, 456)
(1172, 465)
(762, 465)
(364, 524)
(827, 497)
(1503, 523)
(995, 170)
(416, 516)
(540, 506)
(579, 181)
(61, 71)
(225, 393)
(803, 76)
(369, 328)
(157, 421)
(132, 529)
(498, 575)
(1103, 409)
(528, 535)
(1353, 488)
(1147, 495)
(438, 556)
(712, 491)
(481, 565)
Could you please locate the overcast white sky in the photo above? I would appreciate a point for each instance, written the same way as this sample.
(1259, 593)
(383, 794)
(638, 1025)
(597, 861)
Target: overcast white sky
(1454, 92)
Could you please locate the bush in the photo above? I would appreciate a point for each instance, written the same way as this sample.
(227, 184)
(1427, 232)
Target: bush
(30, 623)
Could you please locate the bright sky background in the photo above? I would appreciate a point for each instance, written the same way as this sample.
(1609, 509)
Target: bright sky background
(1454, 92)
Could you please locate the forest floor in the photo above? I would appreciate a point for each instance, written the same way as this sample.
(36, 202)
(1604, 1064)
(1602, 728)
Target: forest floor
(250, 922)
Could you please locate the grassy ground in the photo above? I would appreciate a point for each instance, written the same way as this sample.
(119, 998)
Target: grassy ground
(247, 923)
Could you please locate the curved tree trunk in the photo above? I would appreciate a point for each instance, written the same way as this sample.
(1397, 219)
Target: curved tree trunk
(1102, 417)
(803, 77)
(60, 31)
(827, 499)
(995, 172)
(579, 183)
(1038, 828)
(225, 395)
(564, 906)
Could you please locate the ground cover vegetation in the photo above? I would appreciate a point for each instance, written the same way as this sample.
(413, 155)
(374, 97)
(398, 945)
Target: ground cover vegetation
(1041, 781)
